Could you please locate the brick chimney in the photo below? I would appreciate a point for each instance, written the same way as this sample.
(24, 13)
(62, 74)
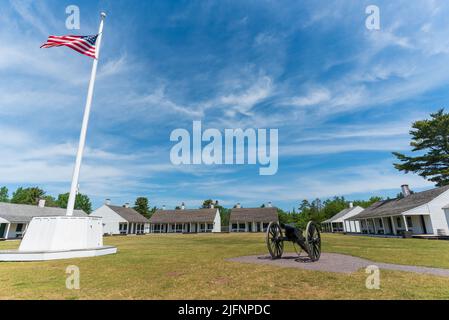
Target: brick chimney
(269, 205)
(41, 203)
(405, 190)
(351, 204)
(183, 206)
(238, 206)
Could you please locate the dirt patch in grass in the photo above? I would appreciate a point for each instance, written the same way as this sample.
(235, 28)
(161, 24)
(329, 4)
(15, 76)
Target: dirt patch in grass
(334, 262)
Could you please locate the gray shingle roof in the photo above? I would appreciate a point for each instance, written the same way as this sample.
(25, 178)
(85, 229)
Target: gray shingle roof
(254, 214)
(398, 206)
(22, 213)
(339, 215)
(129, 214)
(184, 216)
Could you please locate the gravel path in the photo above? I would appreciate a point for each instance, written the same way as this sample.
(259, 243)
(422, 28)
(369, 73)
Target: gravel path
(334, 262)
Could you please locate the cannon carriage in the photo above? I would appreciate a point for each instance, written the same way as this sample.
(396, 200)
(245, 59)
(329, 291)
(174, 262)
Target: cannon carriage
(309, 240)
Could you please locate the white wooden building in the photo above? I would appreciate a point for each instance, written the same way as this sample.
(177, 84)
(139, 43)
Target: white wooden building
(421, 213)
(121, 220)
(14, 218)
(252, 219)
(342, 222)
(186, 221)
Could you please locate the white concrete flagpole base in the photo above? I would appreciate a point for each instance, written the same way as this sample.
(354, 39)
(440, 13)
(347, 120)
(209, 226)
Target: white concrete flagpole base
(62, 237)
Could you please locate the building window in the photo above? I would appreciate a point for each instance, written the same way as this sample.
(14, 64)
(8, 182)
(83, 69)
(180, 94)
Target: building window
(235, 226)
(19, 227)
(179, 228)
(122, 227)
(210, 227)
(242, 227)
(399, 222)
(142, 228)
(381, 224)
(265, 227)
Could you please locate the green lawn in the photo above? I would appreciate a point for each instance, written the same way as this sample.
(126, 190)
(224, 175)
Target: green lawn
(194, 267)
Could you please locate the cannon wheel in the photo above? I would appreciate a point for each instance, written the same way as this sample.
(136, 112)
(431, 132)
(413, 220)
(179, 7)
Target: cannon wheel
(313, 240)
(275, 243)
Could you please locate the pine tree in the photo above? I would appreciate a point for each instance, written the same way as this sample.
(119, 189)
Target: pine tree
(430, 140)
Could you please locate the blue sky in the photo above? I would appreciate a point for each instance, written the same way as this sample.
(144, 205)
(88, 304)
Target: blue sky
(342, 97)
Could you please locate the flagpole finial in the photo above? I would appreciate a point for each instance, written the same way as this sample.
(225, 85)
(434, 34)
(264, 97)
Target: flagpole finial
(103, 14)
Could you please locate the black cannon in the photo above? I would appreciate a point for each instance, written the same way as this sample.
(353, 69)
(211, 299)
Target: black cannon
(309, 241)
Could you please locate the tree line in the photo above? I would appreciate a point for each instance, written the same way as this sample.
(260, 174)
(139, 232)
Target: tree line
(32, 195)
(315, 210)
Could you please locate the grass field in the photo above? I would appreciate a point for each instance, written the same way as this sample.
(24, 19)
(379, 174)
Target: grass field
(194, 267)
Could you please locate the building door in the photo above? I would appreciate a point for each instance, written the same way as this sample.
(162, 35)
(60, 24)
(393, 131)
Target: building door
(2, 230)
(390, 226)
(423, 224)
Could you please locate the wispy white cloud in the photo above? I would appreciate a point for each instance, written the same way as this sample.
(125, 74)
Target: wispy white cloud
(244, 101)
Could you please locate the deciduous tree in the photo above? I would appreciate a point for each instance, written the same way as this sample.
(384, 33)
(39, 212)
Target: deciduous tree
(4, 194)
(27, 195)
(82, 202)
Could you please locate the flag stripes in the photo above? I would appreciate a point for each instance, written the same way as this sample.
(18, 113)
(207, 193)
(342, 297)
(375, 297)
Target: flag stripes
(82, 44)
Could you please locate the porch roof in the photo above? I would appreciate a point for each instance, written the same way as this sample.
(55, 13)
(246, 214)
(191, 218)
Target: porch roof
(267, 214)
(394, 207)
(340, 215)
(129, 214)
(184, 216)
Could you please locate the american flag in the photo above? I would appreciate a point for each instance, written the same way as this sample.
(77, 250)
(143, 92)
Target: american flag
(83, 44)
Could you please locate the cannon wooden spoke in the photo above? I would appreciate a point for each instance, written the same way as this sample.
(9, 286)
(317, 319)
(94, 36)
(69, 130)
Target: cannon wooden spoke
(275, 243)
(309, 240)
(313, 239)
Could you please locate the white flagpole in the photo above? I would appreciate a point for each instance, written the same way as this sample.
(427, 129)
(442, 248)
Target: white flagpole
(82, 142)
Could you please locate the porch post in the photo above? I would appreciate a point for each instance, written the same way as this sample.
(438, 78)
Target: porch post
(332, 227)
(374, 225)
(405, 223)
(393, 226)
(7, 230)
